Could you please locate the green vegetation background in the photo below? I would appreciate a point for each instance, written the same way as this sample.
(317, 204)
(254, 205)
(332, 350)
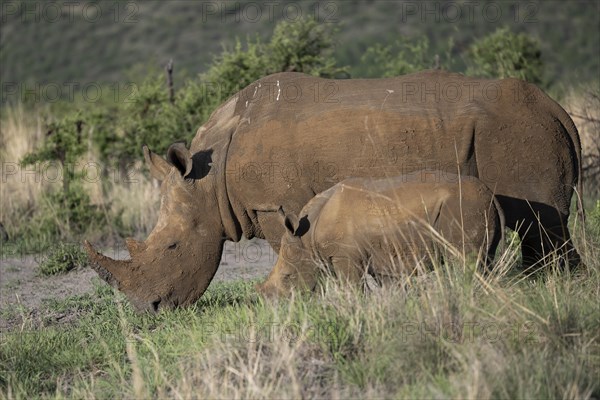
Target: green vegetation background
(118, 45)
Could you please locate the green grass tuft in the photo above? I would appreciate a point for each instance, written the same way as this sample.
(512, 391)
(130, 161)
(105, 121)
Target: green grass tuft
(63, 258)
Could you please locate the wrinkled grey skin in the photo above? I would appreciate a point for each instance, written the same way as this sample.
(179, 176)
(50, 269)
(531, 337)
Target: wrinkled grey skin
(288, 136)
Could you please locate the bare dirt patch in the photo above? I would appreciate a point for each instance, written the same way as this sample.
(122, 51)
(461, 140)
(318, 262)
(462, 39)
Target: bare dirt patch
(24, 292)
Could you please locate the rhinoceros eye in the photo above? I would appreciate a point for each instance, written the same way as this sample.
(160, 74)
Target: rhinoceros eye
(173, 246)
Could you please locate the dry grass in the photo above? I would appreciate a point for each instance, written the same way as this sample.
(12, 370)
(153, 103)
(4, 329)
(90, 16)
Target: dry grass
(20, 192)
(583, 105)
(132, 197)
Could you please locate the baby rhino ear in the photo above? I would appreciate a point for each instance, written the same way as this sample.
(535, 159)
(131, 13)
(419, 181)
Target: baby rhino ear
(294, 225)
(290, 220)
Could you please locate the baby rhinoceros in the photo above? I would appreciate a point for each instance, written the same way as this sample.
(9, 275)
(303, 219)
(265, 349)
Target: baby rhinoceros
(385, 228)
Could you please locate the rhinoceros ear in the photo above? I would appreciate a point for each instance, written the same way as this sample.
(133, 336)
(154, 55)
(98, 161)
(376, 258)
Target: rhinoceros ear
(180, 157)
(159, 167)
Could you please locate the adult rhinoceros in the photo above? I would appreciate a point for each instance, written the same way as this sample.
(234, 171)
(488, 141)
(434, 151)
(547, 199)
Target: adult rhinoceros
(288, 136)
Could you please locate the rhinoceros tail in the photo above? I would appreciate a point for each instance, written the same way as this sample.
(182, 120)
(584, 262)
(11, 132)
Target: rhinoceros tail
(501, 219)
(577, 142)
(571, 129)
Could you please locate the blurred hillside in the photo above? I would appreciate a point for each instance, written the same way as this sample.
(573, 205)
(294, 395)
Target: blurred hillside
(109, 42)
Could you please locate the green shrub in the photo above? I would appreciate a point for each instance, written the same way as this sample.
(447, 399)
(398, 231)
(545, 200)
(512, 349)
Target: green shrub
(404, 57)
(64, 143)
(505, 54)
(68, 211)
(146, 120)
(234, 69)
(303, 45)
(63, 258)
(593, 221)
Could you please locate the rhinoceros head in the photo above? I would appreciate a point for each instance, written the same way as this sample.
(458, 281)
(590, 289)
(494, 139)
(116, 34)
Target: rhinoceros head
(176, 263)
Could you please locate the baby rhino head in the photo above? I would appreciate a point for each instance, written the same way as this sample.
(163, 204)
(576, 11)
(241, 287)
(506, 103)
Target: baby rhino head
(296, 267)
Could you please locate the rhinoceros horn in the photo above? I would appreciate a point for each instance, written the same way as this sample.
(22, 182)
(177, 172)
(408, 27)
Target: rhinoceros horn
(112, 271)
(134, 247)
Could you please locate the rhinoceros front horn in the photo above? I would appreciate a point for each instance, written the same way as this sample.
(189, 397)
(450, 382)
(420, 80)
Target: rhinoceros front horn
(111, 271)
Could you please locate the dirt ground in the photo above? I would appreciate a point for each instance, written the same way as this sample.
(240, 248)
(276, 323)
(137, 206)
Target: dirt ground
(23, 292)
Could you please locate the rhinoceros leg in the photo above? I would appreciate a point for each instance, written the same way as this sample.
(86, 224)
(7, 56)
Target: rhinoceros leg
(543, 230)
(347, 269)
(539, 243)
(271, 228)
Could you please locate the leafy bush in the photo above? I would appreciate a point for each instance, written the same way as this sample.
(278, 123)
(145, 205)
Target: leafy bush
(404, 57)
(303, 45)
(64, 143)
(593, 221)
(68, 211)
(505, 54)
(63, 258)
(234, 69)
(144, 119)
